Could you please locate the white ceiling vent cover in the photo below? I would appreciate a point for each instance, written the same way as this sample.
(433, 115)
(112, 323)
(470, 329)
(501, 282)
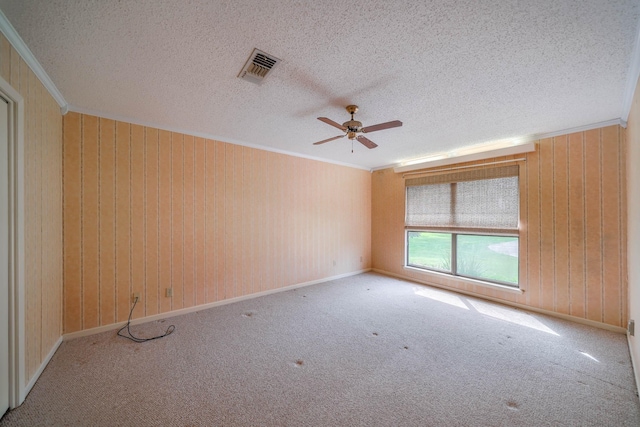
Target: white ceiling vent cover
(258, 66)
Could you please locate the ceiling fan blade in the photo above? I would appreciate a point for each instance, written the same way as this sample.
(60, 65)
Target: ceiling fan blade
(327, 140)
(332, 123)
(381, 126)
(366, 142)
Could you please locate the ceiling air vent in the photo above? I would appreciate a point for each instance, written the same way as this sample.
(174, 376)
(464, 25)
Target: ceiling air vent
(258, 66)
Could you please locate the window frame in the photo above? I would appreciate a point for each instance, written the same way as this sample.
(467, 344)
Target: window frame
(454, 255)
(454, 230)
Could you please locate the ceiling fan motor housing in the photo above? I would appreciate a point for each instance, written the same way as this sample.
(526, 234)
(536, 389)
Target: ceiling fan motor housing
(353, 126)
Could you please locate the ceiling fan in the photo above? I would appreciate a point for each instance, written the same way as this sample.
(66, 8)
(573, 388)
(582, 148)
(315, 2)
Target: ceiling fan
(353, 129)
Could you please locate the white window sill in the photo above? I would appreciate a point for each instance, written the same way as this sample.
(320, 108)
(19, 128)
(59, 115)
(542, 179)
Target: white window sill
(494, 286)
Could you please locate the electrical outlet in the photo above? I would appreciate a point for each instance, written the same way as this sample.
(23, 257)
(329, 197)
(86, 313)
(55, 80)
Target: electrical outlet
(135, 297)
(361, 259)
(334, 262)
(631, 327)
(169, 292)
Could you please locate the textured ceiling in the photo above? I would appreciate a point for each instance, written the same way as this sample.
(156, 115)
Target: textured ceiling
(457, 73)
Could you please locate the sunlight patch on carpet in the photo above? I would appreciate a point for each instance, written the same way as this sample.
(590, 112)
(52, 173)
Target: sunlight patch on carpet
(441, 296)
(589, 356)
(511, 315)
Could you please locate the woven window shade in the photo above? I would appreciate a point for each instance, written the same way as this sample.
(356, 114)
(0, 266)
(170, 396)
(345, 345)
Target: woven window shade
(482, 199)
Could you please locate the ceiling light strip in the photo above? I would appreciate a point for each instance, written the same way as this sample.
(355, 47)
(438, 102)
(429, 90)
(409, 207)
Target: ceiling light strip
(444, 159)
(21, 47)
(481, 155)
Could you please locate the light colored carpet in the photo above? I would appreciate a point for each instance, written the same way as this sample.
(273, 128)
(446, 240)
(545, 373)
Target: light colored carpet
(362, 351)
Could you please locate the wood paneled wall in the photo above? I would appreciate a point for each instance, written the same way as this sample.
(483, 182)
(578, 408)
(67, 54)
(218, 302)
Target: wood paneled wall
(633, 215)
(147, 209)
(572, 233)
(43, 208)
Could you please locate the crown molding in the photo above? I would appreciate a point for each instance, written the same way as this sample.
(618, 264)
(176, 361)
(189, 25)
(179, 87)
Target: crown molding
(584, 128)
(23, 50)
(632, 78)
(204, 135)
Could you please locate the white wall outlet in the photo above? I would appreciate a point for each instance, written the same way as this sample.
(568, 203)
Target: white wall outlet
(169, 292)
(135, 297)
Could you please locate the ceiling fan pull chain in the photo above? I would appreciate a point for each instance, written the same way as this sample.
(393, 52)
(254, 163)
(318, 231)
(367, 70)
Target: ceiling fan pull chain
(352, 146)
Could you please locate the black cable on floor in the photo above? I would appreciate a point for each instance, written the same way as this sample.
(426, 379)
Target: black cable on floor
(133, 338)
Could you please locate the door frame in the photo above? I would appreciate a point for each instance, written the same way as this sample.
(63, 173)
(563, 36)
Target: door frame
(16, 245)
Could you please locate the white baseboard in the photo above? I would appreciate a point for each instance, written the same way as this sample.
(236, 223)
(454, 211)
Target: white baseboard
(43, 365)
(580, 320)
(193, 309)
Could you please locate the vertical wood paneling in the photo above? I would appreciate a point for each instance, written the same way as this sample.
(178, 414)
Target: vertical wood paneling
(123, 220)
(573, 227)
(22, 85)
(211, 220)
(547, 247)
(107, 215)
(226, 229)
(14, 80)
(43, 219)
(200, 220)
(523, 244)
(189, 284)
(238, 219)
(626, 272)
(630, 179)
(5, 58)
(165, 207)
(310, 219)
(28, 85)
(72, 191)
(138, 225)
(151, 277)
(230, 228)
(270, 222)
(249, 229)
(279, 249)
(533, 230)
(261, 219)
(90, 223)
(53, 219)
(177, 216)
(218, 237)
(293, 232)
(576, 225)
(611, 226)
(561, 225)
(593, 225)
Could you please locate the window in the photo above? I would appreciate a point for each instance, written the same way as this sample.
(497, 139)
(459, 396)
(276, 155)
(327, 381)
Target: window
(465, 224)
